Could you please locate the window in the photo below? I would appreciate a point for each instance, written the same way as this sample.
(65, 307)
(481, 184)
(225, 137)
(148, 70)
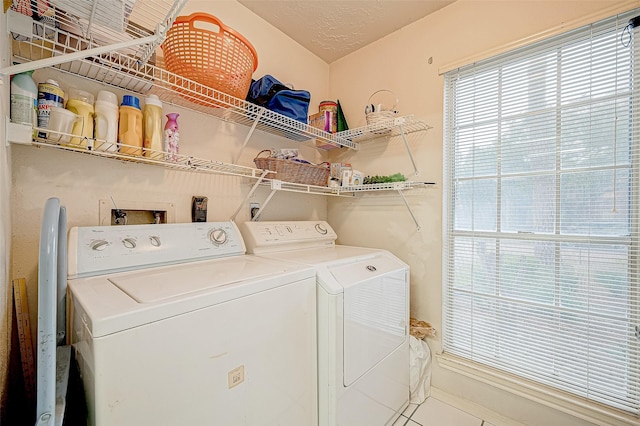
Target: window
(541, 225)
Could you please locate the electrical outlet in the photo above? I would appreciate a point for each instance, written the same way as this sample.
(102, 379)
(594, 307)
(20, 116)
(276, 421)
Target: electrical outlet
(236, 376)
(199, 208)
(253, 209)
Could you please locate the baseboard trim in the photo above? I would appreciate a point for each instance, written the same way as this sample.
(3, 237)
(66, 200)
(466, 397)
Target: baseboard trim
(558, 400)
(474, 409)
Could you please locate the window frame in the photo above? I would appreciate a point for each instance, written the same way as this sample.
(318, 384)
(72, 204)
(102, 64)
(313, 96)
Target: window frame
(557, 238)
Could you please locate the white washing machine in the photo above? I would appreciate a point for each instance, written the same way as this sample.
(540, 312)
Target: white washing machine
(363, 320)
(174, 325)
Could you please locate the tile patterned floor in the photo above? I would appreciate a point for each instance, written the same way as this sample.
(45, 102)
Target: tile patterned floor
(434, 412)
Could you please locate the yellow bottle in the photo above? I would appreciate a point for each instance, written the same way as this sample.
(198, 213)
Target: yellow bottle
(152, 114)
(130, 126)
(81, 104)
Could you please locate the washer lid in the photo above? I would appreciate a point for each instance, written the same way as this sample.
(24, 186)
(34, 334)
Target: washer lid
(156, 286)
(112, 303)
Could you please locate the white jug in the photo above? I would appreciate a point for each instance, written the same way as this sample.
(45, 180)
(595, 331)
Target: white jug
(61, 121)
(106, 121)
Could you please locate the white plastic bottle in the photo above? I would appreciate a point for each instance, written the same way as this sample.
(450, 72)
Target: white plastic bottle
(153, 137)
(106, 121)
(24, 99)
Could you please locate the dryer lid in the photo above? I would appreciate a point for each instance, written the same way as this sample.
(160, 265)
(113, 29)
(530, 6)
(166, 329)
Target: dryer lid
(352, 273)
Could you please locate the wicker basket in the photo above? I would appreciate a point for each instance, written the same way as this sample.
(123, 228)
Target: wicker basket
(223, 60)
(292, 171)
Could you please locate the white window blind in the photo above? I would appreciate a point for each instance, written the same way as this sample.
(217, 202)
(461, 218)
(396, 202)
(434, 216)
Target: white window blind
(542, 203)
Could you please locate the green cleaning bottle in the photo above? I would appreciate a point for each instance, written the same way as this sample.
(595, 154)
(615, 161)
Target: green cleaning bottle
(24, 99)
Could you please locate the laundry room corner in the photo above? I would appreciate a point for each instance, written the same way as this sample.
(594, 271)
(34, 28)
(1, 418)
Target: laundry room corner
(259, 201)
(458, 34)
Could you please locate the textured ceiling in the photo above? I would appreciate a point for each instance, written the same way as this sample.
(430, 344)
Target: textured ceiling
(332, 29)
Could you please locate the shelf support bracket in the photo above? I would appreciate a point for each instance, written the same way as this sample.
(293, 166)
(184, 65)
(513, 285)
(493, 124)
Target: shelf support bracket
(249, 195)
(409, 209)
(264, 204)
(17, 133)
(406, 145)
(251, 130)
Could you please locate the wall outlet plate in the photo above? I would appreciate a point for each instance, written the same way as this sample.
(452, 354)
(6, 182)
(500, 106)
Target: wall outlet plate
(199, 208)
(253, 210)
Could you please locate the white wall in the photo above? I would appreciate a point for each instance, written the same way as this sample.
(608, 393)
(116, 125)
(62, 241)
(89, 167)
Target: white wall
(408, 62)
(400, 62)
(81, 181)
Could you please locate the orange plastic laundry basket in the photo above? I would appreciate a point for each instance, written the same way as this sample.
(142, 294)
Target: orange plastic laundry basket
(223, 60)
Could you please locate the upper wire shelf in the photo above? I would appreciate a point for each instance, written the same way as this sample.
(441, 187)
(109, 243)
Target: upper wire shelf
(397, 126)
(114, 42)
(57, 28)
(121, 64)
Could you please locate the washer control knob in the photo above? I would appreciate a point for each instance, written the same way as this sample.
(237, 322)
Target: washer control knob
(99, 245)
(129, 243)
(155, 240)
(321, 229)
(218, 236)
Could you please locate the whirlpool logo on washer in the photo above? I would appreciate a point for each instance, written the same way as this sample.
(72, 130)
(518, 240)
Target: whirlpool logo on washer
(371, 268)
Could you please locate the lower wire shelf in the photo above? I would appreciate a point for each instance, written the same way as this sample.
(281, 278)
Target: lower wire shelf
(26, 135)
(343, 191)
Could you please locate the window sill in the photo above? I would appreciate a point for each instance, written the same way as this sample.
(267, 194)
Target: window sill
(561, 401)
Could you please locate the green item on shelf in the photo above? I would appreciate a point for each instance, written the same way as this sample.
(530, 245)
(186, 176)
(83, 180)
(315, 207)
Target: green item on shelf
(398, 177)
(342, 121)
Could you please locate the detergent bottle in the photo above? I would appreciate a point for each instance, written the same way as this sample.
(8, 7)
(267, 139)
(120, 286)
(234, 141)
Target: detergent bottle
(24, 99)
(81, 103)
(130, 126)
(106, 121)
(152, 114)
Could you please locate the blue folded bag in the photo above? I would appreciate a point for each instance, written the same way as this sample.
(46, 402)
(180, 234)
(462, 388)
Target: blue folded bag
(291, 103)
(270, 93)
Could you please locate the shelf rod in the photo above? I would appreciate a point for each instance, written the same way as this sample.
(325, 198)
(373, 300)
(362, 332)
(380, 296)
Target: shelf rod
(406, 144)
(162, 29)
(409, 209)
(251, 130)
(68, 57)
(91, 16)
(249, 195)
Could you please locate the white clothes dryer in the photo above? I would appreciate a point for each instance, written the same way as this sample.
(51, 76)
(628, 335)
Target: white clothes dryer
(174, 325)
(363, 320)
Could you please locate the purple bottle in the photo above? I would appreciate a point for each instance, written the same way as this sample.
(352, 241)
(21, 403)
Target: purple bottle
(171, 137)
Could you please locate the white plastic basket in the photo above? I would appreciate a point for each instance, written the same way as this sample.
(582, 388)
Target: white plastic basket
(380, 112)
